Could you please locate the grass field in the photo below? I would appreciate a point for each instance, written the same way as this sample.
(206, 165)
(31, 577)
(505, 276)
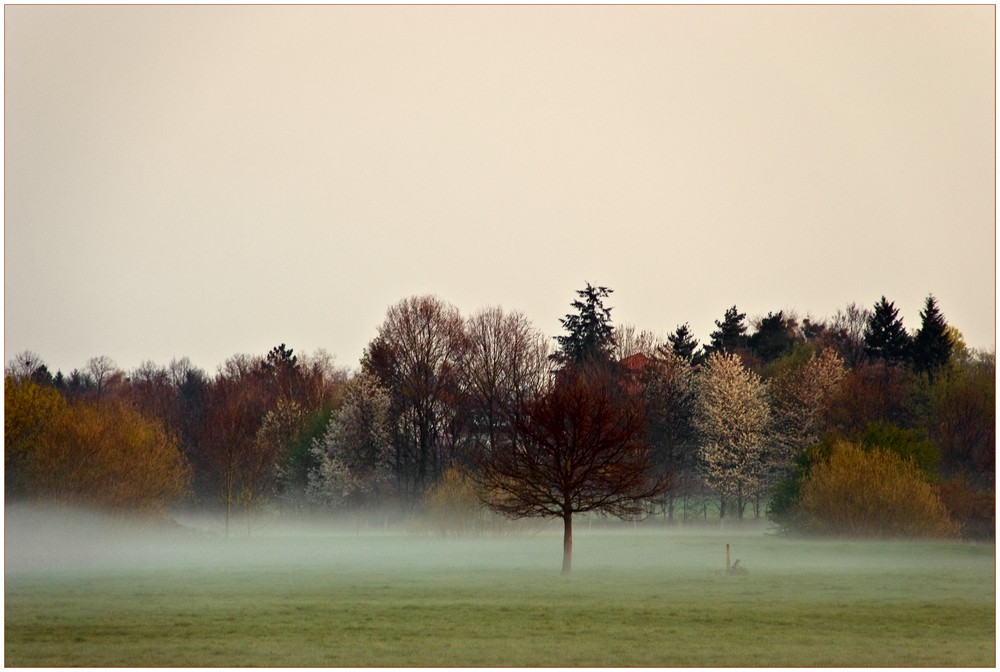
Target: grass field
(635, 598)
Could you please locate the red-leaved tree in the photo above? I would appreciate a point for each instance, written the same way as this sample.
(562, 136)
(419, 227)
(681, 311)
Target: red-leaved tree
(580, 446)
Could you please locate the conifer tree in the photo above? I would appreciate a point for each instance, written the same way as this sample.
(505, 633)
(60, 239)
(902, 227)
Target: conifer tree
(931, 345)
(730, 333)
(773, 337)
(590, 336)
(885, 335)
(683, 343)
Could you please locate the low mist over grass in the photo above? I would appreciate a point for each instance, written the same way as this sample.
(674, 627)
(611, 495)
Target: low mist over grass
(84, 590)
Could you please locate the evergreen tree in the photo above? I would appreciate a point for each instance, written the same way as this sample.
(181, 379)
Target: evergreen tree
(773, 337)
(683, 343)
(885, 335)
(730, 333)
(931, 345)
(590, 336)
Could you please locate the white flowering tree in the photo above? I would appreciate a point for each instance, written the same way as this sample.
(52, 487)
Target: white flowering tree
(354, 456)
(731, 416)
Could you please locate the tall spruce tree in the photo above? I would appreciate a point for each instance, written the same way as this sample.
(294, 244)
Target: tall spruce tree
(931, 346)
(730, 333)
(590, 336)
(683, 343)
(885, 335)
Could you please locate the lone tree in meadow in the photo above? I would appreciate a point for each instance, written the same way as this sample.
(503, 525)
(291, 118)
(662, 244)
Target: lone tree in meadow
(580, 446)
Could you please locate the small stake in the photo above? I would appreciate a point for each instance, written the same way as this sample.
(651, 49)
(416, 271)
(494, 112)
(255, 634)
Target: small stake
(727, 558)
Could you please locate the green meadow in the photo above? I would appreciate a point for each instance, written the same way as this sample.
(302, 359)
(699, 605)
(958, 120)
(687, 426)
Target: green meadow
(636, 597)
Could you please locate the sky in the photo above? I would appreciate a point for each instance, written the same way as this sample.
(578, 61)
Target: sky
(203, 181)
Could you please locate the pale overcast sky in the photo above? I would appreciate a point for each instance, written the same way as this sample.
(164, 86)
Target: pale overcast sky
(205, 181)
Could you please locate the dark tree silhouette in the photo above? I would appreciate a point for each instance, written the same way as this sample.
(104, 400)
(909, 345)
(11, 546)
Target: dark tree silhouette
(684, 344)
(667, 385)
(931, 345)
(774, 337)
(730, 333)
(885, 335)
(579, 447)
(848, 334)
(590, 336)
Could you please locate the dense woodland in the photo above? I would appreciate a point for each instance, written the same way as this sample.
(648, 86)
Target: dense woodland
(852, 425)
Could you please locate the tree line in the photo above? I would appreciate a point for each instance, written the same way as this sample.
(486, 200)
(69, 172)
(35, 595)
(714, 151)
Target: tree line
(848, 425)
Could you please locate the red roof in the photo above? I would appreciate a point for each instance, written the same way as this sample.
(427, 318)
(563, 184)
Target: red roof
(636, 362)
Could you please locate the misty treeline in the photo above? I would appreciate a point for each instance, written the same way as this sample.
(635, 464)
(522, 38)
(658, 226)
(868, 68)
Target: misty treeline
(849, 425)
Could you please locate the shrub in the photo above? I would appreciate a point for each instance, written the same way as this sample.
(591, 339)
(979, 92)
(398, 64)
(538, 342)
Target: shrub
(454, 505)
(871, 493)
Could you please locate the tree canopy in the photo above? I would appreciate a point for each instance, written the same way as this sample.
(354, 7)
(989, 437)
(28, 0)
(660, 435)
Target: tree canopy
(619, 420)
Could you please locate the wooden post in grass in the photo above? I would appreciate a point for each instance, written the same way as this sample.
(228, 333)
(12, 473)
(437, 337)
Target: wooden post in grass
(727, 558)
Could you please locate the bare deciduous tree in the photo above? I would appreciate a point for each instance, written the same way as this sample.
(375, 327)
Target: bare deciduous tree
(27, 365)
(848, 327)
(417, 356)
(506, 361)
(102, 371)
(630, 341)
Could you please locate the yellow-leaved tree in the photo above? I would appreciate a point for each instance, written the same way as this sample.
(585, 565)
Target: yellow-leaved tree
(28, 409)
(872, 493)
(454, 504)
(108, 456)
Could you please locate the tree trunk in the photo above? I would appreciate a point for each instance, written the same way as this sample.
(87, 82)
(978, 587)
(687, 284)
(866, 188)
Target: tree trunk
(229, 497)
(567, 543)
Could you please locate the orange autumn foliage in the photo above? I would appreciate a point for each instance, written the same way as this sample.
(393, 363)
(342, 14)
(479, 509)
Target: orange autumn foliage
(109, 456)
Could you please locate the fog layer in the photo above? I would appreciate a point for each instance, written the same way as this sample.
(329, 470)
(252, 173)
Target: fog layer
(47, 539)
